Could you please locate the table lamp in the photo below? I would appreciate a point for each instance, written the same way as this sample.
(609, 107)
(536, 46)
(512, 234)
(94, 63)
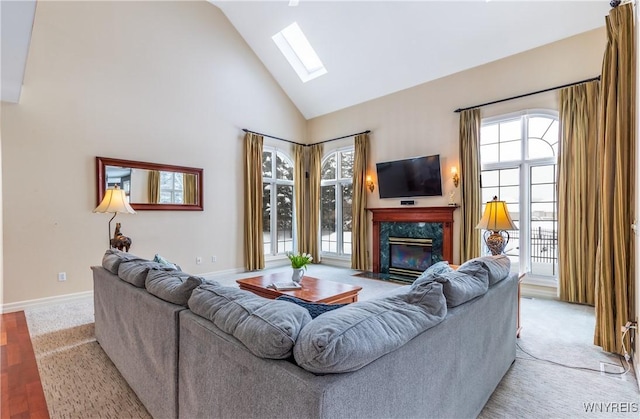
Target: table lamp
(115, 201)
(496, 220)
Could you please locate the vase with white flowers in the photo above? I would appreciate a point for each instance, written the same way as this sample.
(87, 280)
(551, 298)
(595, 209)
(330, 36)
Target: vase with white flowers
(299, 262)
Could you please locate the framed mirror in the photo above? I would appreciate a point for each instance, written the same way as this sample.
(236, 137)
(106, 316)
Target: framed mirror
(151, 186)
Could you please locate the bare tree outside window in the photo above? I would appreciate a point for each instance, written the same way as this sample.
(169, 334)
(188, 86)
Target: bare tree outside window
(277, 202)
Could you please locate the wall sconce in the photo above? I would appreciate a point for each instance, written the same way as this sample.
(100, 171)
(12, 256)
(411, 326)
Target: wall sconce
(455, 177)
(370, 184)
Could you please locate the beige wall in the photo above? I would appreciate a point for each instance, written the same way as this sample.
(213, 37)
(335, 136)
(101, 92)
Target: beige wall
(166, 82)
(636, 358)
(421, 120)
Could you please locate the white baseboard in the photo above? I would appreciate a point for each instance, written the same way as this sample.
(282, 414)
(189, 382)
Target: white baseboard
(534, 291)
(47, 301)
(214, 274)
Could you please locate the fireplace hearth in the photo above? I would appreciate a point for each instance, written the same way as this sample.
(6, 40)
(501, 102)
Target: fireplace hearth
(409, 256)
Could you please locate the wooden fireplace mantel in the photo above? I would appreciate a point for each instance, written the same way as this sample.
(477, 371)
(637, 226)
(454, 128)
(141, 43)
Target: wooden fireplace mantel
(442, 215)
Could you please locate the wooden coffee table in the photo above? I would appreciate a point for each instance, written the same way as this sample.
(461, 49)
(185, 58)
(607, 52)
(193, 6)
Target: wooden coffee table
(313, 290)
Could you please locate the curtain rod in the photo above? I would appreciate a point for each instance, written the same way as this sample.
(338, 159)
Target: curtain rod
(307, 145)
(528, 94)
(271, 136)
(340, 138)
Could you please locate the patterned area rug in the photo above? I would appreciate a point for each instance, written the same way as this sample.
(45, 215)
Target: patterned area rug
(80, 381)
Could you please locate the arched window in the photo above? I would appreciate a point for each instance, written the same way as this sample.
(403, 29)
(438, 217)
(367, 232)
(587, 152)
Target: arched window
(518, 155)
(336, 200)
(277, 201)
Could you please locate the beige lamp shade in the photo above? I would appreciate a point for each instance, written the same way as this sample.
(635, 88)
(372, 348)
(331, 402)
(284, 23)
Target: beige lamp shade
(496, 220)
(496, 217)
(114, 201)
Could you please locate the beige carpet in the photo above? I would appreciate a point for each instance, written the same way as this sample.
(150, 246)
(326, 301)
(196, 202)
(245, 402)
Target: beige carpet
(79, 380)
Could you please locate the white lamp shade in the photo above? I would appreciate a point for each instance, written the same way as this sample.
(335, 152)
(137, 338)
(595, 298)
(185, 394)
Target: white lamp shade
(115, 200)
(496, 217)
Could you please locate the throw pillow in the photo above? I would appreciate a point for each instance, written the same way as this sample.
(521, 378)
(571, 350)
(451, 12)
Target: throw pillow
(314, 309)
(348, 339)
(267, 328)
(159, 259)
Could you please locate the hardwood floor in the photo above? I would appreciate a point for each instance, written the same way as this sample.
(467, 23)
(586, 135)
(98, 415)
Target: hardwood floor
(22, 395)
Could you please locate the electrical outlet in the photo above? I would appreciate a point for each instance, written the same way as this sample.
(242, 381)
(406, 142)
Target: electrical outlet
(198, 260)
(214, 259)
(62, 276)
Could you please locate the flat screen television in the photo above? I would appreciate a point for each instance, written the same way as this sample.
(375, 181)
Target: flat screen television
(419, 176)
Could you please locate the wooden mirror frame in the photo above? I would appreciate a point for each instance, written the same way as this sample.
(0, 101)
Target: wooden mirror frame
(101, 176)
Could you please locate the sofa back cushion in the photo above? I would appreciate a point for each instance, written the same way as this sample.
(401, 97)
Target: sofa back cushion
(498, 267)
(135, 271)
(348, 339)
(172, 285)
(471, 280)
(436, 268)
(113, 258)
(268, 328)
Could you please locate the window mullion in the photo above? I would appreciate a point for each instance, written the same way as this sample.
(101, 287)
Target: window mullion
(525, 200)
(274, 202)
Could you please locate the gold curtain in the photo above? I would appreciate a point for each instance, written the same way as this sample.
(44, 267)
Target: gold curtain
(470, 202)
(359, 235)
(190, 188)
(315, 176)
(300, 188)
(614, 299)
(578, 194)
(154, 186)
(253, 240)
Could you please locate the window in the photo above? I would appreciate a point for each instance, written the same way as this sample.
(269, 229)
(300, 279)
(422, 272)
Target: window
(297, 49)
(277, 202)
(518, 162)
(171, 188)
(336, 199)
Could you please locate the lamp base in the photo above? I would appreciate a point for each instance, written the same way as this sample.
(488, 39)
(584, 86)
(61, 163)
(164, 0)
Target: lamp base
(496, 241)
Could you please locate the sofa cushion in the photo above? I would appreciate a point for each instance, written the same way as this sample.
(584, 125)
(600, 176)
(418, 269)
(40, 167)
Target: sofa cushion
(113, 257)
(358, 334)
(468, 282)
(268, 328)
(171, 285)
(498, 267)
(436, 268)
(314, 309)
(135, 271)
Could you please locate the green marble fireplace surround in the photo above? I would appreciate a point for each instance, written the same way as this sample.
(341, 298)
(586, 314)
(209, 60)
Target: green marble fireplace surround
(435, 223)
(419, 230)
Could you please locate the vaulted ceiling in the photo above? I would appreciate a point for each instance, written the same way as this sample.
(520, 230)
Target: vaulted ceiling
(370, 48)
(374, 48)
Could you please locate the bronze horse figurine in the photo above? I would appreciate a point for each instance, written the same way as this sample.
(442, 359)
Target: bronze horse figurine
(120, 241)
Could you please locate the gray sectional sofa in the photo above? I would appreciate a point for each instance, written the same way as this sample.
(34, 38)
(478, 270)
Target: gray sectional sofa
(192, 348)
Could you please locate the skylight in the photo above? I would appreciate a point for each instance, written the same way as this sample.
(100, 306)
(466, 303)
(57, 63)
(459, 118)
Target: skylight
(299, 52)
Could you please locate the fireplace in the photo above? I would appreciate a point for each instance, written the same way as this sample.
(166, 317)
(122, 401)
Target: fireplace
(422, 223)
(409, 256)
